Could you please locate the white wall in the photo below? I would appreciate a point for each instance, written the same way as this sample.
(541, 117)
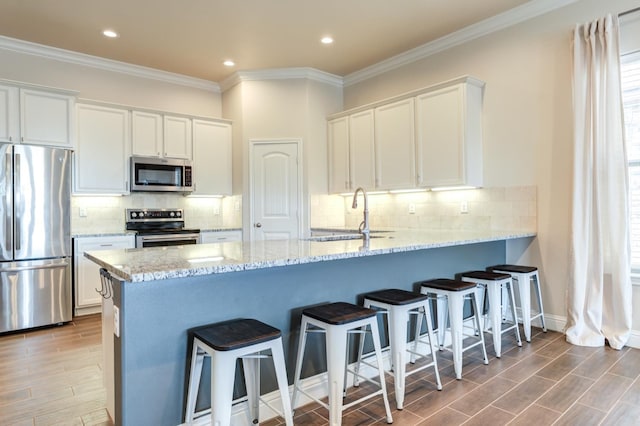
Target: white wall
(527, 121)
(282, 109)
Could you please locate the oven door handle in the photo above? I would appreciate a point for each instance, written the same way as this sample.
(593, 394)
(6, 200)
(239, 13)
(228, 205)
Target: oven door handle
(170, 237)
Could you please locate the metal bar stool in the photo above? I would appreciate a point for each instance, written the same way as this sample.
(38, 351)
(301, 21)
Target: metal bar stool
(337, 321)
(399, 305)
(493, 284)
(525, 276)
(450, 297)
(225, 342)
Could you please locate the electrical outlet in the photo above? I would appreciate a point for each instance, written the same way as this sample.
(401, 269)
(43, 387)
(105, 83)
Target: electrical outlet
(83, 212)
(216, 210)
(237, 206)
(464, 207)
(116, 321)
(412, 208)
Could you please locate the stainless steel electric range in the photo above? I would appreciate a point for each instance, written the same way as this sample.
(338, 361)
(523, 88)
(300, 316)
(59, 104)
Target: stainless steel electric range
(160, 227)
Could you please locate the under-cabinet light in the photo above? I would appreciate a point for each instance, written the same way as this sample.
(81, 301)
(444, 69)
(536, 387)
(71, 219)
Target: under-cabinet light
(407, 191)
(453, 188)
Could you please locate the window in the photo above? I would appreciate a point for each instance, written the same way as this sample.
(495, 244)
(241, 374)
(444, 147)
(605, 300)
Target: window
(631, 101)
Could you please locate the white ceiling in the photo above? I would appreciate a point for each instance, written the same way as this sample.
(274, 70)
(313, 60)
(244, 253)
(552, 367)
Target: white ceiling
(193, 37)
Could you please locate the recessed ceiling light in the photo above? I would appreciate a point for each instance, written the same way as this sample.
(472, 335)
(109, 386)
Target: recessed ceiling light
(229, 63)
(110, 33)
(326, 40)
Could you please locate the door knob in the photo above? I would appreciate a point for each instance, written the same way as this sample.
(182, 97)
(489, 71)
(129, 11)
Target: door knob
(258, 225)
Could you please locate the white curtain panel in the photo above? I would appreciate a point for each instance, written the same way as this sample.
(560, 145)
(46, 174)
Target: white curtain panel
(599, 291)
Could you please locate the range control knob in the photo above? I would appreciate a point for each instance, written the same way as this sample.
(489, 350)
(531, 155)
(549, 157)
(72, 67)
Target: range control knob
(172, 214)
(178, 214)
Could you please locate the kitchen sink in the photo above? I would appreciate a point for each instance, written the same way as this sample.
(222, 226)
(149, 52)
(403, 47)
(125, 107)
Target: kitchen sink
(339, 237)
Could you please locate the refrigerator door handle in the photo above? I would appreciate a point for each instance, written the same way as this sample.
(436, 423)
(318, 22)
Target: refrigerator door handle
(17, 185)
(8, 203)
(10, 269)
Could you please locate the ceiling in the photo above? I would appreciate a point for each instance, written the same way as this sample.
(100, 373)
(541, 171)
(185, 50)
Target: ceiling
(194, 37)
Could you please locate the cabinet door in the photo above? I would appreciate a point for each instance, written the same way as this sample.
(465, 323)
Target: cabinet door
(449, 137)
(9, 114)
(338, 135)
(220, 236)
(103, 150)
(146, 134)
(361, 150)
(394, 142)
(177, 137)
(87, 273)
(212, 170)
(46, 118)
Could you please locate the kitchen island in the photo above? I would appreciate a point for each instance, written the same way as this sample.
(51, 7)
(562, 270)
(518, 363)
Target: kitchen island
(161, 292)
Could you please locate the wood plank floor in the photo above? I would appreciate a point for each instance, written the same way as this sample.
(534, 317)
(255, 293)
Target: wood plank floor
(53, 376)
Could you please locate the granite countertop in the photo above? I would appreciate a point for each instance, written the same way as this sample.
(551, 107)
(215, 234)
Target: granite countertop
(157, 263)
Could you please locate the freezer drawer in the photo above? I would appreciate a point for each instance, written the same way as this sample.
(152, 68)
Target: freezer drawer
(34, 293)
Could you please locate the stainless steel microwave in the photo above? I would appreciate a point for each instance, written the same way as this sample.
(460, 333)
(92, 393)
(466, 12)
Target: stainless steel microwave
(150, 174)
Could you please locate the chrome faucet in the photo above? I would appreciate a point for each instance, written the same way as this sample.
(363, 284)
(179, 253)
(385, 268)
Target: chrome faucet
(364, 225)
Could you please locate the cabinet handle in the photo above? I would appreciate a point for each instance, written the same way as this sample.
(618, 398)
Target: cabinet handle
(106, 245)
(9, 138)
(22, 138)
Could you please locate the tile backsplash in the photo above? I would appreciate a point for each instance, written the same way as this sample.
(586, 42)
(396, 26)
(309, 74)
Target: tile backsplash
(107, 214)
(504, 208)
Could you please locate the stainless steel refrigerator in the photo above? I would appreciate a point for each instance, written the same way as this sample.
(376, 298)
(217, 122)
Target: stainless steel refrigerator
(35, 236)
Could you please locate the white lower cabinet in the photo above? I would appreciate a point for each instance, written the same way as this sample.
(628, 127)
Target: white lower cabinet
(220, 236)
(87, 273)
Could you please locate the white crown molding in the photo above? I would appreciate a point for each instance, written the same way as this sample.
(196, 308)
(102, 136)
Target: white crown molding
(501, 21)
(63, 55)
(281, 74)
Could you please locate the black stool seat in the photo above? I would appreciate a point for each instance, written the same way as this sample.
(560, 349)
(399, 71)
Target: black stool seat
(395, 297)
(514, 268)
(338, 313)
(487, 276)
(234, 334)
(447, 284)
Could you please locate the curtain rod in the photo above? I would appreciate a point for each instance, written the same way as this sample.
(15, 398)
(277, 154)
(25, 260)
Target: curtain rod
(628, 12)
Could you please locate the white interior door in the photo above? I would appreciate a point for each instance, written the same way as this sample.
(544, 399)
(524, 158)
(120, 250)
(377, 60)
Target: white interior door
(275, 190)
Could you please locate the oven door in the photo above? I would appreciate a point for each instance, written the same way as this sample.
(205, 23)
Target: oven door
(166, 240)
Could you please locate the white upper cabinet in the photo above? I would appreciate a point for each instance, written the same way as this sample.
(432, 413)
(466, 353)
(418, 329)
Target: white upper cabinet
(338, 134)
(9, 114)
(177, 137)
(449, 136)
(212, 170)
(351, 163)
(426, 138)
(36, 116)
(157, 135)
(395, 145)
(102, 155)
(146, 134)
(46, 118)
(361, 150)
